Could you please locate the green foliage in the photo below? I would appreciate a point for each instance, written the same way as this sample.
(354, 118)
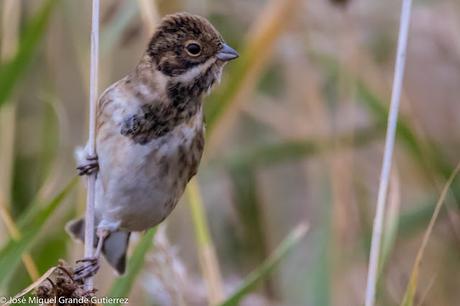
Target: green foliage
(30, 227)
(12, 71)
(30, 172)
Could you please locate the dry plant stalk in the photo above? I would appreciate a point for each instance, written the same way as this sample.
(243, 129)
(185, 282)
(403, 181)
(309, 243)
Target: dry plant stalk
(427, 290)
(207, 254)
(377, 231)
(91, 147)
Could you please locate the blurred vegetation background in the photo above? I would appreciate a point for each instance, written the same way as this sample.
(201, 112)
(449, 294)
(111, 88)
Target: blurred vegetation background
(295, 134)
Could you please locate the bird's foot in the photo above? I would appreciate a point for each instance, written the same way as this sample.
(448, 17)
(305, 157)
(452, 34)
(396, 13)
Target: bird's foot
(86, 267)
(89, 166)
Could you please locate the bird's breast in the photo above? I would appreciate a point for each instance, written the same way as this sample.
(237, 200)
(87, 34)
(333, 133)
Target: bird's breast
(142, 183)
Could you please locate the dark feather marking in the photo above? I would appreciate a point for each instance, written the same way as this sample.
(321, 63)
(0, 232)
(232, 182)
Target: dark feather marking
(164, 169)
(155, 120)
(195, 153)
(167, 52)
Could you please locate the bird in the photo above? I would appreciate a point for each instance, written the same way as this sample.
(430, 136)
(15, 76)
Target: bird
(150, 134)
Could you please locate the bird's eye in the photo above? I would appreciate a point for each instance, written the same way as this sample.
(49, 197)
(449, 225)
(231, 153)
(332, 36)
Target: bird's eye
(193, 49)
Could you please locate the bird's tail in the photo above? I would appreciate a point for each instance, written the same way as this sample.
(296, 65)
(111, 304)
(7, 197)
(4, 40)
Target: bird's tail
(114, 248)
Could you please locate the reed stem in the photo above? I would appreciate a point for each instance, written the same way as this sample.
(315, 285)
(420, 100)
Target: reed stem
(388, 153)
(91, 147)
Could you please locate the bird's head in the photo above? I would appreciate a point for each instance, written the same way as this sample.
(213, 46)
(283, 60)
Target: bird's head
(188, 49)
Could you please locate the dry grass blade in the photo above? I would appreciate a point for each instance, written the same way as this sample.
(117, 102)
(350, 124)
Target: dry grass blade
(412, 285)
(207, 254)
(427, 290)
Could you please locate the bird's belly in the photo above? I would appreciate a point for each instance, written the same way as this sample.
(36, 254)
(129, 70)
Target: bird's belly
(139, 207)
(141, 184)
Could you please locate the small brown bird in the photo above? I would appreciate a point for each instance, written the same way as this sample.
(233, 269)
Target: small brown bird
(150, 135)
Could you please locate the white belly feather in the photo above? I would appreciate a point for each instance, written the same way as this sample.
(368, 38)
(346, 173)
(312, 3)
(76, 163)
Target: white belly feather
(138, 185)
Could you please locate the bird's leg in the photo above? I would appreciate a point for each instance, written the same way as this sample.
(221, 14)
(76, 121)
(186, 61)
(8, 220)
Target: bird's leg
(89, 266)
(88, 166)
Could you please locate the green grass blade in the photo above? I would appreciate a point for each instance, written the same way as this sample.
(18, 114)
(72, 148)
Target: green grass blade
(10, 254)
(263, 270)
(122, 286)
(12, 71)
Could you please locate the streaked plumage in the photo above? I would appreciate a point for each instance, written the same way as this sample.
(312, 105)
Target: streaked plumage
(150, 131)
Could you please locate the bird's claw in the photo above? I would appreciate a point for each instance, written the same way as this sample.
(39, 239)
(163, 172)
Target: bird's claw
(90, 166)
(87, 267)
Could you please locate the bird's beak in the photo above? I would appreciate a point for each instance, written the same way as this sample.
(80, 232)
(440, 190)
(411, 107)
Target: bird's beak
(227, 53)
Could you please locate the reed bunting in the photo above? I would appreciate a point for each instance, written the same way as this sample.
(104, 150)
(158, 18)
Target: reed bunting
(150, 135)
